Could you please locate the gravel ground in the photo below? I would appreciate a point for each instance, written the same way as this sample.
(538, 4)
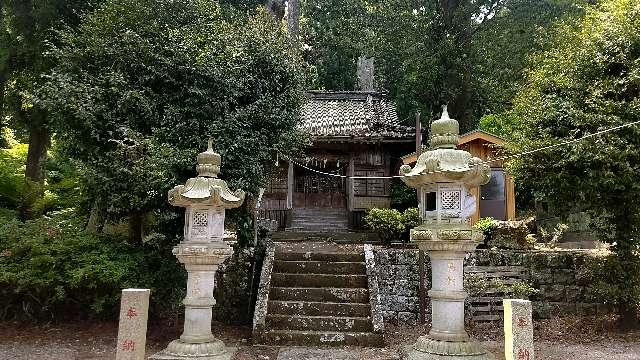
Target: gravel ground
(561, 339)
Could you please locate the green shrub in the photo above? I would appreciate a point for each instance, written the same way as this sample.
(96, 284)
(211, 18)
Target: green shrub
(386, 222)
(518, 290)
(485, 225)
(12, 183)
(402, 196)
(50, 268)
(604, 274)
(411, 218)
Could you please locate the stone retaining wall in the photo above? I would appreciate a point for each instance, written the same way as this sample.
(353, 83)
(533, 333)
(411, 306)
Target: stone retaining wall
(562, 278)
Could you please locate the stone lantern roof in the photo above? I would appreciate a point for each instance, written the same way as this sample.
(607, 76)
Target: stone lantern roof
(206, 189)
(443, 163)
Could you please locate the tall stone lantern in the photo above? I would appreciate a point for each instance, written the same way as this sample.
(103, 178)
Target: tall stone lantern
(444, 177)
(205, 199)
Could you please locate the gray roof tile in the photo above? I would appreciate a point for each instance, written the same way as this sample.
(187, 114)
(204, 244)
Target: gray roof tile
(352, 113)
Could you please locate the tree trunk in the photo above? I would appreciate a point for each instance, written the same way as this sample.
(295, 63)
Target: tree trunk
(96, 218)
(293, 21)
(136, 225)
(276, 8)
(39, 142)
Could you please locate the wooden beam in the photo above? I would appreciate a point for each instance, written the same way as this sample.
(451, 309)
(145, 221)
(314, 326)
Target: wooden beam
(290, 186)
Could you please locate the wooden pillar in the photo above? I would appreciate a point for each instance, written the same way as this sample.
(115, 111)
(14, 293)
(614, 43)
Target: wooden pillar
(476, 216)
(510, 194)
(290, 186)
(350, 172)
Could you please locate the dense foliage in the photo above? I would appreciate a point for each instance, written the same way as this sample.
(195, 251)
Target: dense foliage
(391, 224)
(470, 54)
(586, 82)
(51, 268)
(135, 108)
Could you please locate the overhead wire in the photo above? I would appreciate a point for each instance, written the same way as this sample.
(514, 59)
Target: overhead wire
(486, 162)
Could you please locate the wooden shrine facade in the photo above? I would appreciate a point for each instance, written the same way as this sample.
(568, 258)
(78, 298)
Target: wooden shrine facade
(354, 134)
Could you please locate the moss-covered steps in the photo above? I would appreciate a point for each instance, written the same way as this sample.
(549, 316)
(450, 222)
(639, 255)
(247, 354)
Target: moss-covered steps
(318, 296)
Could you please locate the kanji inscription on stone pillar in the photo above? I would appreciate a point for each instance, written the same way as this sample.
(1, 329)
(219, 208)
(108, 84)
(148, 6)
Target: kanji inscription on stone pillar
(132, 330)
(518, 330)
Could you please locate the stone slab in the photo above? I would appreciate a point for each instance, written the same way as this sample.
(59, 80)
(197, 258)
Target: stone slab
(132, 329)
(311, 353)
(227, 355)
(518, 329)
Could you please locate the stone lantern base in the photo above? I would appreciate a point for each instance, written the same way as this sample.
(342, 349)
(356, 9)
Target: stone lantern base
(178, 350)
(447, 245)
(430, 349)
(201, 261)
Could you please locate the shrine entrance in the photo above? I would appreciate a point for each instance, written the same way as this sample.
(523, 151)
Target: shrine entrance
(313, 190)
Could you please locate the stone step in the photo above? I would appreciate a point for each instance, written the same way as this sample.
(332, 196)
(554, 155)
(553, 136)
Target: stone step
(336, 295)
(320, 338)
(317, 323)
(319, 256)
(319, 267)
(313, 308)
(318, 280)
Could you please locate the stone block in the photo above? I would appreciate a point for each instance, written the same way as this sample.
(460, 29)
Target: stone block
(407, 257)
(405, 288)
(542, 310)
(564, 276)
(407, 318)
(509, 235)
(497, 258)
(553, 293)
(382, 257)
(518, 330)
(586, 309)
(537, 261)
(573, 294)
(542, 277)
(132, 329)
(562, 308)
(560, 260)
(390, 316)
(405, 304)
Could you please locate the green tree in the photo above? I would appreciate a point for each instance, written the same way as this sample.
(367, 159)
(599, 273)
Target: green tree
(589, 80)
(141, 85)
(502, 46)
(27, 26)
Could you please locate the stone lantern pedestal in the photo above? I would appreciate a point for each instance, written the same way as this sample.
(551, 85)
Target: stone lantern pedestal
(444, 176)
(205, 198)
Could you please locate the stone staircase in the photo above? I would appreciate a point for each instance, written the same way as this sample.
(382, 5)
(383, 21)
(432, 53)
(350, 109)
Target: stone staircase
(318, 297)
(319, 220)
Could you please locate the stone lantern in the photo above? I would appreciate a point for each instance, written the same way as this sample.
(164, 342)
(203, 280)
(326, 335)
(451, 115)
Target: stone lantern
(205, 199)
(444, 177)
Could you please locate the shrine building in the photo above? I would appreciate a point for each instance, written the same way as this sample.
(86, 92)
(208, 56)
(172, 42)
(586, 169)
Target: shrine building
(355, 133)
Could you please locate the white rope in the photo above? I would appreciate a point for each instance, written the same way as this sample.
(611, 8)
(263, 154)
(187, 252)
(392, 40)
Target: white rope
(568, 142)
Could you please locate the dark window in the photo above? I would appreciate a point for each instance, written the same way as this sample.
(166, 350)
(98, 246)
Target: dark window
(430, 201)
(494, 190)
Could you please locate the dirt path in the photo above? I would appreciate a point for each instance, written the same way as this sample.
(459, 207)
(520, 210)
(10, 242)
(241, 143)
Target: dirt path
(96, 341)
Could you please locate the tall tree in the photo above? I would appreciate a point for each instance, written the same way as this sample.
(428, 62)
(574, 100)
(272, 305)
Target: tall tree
(27, 26)
(141, 85)
(587, 81)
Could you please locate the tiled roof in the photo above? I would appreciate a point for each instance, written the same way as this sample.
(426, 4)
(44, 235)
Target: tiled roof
(352, 114)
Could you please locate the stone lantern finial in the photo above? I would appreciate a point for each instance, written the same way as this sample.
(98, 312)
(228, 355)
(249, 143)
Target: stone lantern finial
(209, 162)
(444, 131)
